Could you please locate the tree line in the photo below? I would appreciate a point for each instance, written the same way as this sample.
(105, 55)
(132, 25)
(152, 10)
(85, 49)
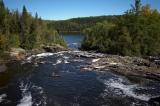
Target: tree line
(136, 33)
(79, 24)
(24, 30)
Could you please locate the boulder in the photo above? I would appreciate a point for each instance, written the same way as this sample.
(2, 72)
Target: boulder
(3, 68)
(17, 53)
(141, 62)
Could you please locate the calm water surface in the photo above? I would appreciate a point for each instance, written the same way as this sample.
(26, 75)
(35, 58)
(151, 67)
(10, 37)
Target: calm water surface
(73, 41)
(58, 79)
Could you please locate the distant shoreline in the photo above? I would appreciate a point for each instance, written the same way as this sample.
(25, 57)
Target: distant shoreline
(70, 32)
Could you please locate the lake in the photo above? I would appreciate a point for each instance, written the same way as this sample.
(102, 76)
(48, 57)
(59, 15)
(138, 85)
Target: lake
(73, 40)
(58, 79)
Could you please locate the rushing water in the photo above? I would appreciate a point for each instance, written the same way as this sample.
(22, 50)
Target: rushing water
(58, 79)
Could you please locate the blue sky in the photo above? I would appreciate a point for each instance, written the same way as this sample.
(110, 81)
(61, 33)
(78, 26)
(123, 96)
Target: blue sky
(65, 9)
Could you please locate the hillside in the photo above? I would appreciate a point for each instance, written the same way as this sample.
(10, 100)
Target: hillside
(78, 24)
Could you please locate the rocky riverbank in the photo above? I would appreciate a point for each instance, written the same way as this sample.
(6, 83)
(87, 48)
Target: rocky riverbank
(17, 54)
(128, 66)
(20, 54)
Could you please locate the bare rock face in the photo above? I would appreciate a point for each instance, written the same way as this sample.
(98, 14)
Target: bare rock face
(17, 53)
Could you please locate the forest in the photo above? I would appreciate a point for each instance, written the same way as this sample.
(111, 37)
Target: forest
(21, 29)
(79, 24)
(136, 33)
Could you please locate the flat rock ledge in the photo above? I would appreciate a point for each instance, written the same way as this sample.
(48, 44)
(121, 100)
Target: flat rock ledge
(129, 66)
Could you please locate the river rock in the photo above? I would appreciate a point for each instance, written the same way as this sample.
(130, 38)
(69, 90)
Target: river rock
(17, 53)
(54, 48)
(3, 68)
(125, 65)
(35, 51)
(141, 62)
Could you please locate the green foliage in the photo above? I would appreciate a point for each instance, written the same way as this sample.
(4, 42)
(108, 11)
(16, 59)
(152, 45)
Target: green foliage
(136, 33)
(79, 24)
(97, 37)
(24, 30)
(3, 43)
(14, 40)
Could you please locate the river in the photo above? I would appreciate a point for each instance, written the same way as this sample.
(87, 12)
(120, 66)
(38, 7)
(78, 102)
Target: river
(58, 79)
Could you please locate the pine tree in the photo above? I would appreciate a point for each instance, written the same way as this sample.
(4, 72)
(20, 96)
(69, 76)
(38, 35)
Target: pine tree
(2, 16)
(2, 4)
(25, 29)
(137, 6)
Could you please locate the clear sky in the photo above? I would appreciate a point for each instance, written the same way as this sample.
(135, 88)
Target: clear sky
(65, 9)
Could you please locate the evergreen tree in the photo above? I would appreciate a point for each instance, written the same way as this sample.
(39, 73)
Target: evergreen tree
(2, 16)
(137, 6)
(136, 33)
(25, 29)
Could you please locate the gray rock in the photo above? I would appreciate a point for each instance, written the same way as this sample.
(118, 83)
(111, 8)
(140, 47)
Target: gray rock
(3, 68)
(17, 53)
(128, 66)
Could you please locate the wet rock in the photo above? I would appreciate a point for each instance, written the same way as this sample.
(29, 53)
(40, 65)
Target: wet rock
(141, 62)
(3, 68)
(155, 60)
(128, 66)
(85, 54)
(35, 51)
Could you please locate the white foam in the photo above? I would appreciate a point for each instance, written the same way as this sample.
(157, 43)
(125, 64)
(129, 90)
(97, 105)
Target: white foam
(118, 87)
(87, 68)
(95, 60)
(30, 58)
(113, 63)
(40, 91)
(59, 61)
(65, 57)
(77, 60)
(44, 54)
(26, 100)
(26, 95)
(99, 67)
(2, 97)
(61, 54)
(66, 62)
(74, 43)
